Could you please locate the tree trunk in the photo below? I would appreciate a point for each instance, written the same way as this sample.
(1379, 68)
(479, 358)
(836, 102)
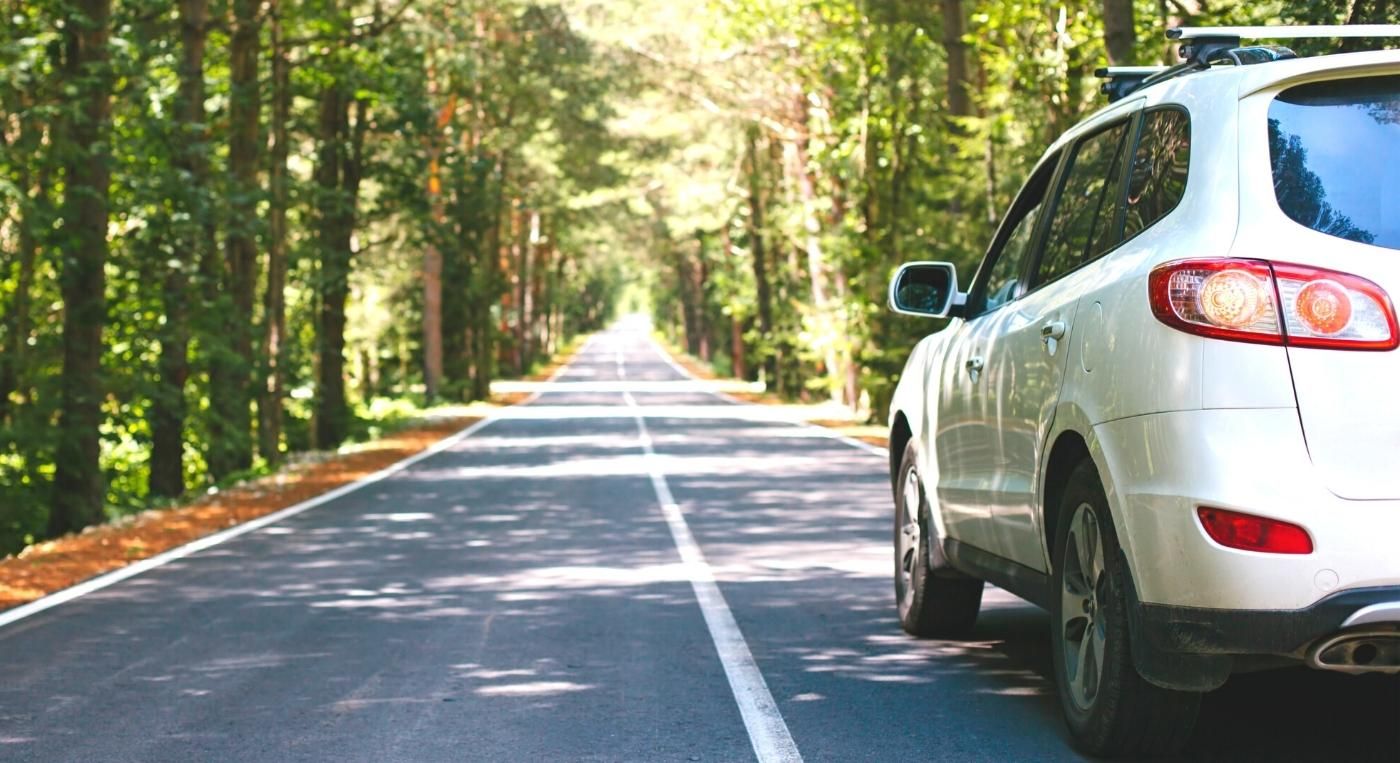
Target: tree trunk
(486, 290)
(954, 27)
(432, 255)
(1119, 34)
(230, 389)
(1366, 12)
(530, 232)
(702, 303)
(168, 408)
(338, 176)
(816, 265)
(760, 263)
(738, 367)
(78, 486)
(275, 299)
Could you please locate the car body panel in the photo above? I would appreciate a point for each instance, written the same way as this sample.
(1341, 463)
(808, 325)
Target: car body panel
(1350, 412)
(963, 441)
(1253, 460)
(1025, 373)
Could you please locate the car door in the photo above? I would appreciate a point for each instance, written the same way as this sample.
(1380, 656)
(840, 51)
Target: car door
(1026, 353)
(964, 437)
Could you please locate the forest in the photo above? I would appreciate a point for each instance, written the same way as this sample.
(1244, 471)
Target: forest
(236, 230)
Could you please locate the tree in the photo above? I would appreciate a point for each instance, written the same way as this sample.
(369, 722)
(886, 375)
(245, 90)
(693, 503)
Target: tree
(78, 483)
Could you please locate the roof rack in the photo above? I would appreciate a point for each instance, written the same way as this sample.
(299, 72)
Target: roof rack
(1203, 46)
(1122, 80)
(1320, 31)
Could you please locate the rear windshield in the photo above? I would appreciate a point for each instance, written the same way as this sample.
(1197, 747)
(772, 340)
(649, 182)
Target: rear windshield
(1335, 148)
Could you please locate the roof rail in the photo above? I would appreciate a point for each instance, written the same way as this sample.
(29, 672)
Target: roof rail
(1203, 46)
(1321, 31)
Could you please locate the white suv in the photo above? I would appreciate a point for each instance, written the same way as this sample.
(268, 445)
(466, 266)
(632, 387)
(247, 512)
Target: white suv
(1164, 408)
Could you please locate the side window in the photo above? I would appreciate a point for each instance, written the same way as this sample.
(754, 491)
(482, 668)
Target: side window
(1004, 284)
(1158, 177)
(1013, 246)
(1084, 221)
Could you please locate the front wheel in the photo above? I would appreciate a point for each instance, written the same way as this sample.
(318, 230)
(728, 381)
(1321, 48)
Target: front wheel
(1111, 710)
(931, 604)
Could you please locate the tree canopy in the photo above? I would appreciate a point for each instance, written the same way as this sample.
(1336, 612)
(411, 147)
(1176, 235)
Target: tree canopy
(229, 227)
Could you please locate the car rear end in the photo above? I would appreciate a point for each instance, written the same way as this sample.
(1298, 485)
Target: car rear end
(1267, 522)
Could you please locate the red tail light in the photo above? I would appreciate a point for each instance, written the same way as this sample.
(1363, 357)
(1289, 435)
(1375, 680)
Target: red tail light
(1240, 300)
(1250, 533)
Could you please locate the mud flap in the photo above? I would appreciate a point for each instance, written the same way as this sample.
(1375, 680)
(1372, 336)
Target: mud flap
(1182, 671)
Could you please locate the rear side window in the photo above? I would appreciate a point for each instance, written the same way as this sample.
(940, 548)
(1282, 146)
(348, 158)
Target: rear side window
(1083, 223)
(1158, 177)
(1335, 150)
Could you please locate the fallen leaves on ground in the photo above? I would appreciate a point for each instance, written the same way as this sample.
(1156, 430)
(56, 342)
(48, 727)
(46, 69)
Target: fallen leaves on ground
(53, 565)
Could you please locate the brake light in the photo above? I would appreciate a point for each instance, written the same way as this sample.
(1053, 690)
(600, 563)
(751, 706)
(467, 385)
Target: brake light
(1247, 532)
(1242, 300)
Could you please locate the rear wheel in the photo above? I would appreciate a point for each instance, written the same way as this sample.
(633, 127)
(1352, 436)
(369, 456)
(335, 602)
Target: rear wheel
(932, 603)
(1110, 709)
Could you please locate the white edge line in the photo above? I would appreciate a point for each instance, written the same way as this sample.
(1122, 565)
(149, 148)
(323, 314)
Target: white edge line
(823, 431)
(195, 546)
(768, 732)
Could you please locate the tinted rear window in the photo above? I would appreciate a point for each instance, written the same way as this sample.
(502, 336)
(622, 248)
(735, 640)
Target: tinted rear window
(1335, 148)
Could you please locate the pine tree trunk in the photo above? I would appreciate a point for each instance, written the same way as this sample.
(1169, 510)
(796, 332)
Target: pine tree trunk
(333, 410)
(274, 299)
(1119, 35)
(168, 408)
(230, 388)
(738, 367)
(954, 27)
(760, 261)
(816, 258)
(432, 255)
(78, 491)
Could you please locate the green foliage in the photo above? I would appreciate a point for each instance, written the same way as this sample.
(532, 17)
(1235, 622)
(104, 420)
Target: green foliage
(473, 128)
(750, 171)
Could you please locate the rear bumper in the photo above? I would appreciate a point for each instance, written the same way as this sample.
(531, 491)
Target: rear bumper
(1289, 633)
(1161, 467)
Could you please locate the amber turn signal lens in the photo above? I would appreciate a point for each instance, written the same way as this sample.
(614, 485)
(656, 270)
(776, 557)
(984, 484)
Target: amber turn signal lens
(1324, 307)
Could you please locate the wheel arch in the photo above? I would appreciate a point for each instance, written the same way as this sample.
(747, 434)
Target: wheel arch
(1072, 443)
(1072, 440)
(900, 435)
(1069, 450)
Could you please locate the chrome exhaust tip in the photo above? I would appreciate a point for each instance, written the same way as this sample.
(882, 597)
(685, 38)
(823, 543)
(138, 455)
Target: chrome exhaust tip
(1359, 652)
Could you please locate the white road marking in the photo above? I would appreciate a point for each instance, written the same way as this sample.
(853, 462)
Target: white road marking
(768, 732)
(180, 552)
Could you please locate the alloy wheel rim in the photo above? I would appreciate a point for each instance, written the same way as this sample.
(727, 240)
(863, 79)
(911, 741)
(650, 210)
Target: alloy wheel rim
(1082, 623)
(910, 534)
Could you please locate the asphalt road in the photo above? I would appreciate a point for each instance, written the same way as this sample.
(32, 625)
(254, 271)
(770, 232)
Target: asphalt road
(628, 568)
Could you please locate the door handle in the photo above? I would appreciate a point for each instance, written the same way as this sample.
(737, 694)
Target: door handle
(1052, 330)
(974, 364)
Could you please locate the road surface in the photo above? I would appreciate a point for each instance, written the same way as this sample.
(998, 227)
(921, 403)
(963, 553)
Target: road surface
(628, 568)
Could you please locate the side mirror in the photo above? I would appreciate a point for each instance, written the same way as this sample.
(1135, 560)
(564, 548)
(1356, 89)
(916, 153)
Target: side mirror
(928, 289)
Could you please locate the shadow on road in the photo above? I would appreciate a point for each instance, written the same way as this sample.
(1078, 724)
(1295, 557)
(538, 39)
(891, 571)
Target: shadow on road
(796, 529)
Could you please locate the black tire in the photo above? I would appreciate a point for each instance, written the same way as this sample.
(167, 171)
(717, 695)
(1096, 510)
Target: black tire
(1115, 713)
(931, 604)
